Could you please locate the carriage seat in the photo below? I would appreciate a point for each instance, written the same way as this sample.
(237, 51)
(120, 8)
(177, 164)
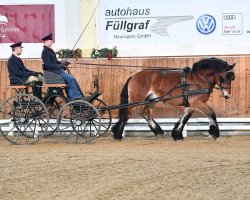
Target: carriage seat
(18, 85)
(53, 80)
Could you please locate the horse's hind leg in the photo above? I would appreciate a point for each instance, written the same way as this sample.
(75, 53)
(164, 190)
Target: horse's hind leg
(147, 115)
(178, 128)
(118, 128)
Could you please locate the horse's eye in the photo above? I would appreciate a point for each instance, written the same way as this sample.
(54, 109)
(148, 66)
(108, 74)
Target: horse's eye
(233, 77)
(222, 80)
(230, 76)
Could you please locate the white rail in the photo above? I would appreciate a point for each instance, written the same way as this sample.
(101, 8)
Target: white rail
(195, 126)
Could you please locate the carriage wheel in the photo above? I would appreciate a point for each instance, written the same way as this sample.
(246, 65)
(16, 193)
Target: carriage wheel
(25, 119)
(79, 122)
(106, 118)
(54, 104)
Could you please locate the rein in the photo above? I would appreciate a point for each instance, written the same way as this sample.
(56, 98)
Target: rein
(208, 82)
(128, 66)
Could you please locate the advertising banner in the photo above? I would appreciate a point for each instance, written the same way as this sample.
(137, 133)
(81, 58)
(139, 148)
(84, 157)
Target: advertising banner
(27, 23)
(166, 27)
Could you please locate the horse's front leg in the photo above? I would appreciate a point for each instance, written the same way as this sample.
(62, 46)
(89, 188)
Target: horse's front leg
(213, 125)
(147, 115)
(178, 128)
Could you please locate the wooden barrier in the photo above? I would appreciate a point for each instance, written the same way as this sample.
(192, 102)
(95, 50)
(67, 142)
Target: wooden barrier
(114, 74)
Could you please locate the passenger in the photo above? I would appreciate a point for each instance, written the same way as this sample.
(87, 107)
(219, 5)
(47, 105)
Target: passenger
(53, 65)
(19, 74)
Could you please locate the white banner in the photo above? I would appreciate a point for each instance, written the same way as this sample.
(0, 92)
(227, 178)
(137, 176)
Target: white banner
(173, 28)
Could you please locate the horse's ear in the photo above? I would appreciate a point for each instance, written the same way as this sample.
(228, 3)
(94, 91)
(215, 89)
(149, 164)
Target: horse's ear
(232, 66)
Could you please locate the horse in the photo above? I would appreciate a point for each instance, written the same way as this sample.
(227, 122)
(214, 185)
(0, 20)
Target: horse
(188, 87)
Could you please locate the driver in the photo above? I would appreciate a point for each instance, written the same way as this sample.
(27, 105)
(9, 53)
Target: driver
(53, 65)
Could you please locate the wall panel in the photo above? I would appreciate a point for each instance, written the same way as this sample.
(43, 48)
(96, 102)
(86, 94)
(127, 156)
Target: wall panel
(113, 74)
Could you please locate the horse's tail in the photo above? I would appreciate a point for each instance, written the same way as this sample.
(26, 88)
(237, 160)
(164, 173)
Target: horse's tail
(117, 129)
(123, 112)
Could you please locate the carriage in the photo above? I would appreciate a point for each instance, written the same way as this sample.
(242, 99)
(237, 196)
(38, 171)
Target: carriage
(28, 119)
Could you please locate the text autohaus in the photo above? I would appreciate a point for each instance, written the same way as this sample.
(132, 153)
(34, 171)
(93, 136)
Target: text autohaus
(118, 19)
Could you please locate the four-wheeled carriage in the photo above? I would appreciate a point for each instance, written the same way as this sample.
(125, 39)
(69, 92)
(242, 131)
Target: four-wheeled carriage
(28, 119)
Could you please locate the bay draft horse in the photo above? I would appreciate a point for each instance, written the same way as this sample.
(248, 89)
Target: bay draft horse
(189, 87)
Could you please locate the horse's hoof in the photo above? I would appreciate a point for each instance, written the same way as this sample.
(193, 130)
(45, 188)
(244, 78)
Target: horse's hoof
(177, 135)
(160, 135)
(213, 137)
(117, 139)
(214, 132)
(116, 134)
(178, 139)
(157, 131)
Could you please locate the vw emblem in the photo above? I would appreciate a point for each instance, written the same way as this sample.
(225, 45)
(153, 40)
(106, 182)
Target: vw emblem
(206, 24)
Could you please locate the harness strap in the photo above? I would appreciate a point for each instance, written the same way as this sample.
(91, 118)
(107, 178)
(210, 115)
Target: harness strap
(185, 88)
(199, 91)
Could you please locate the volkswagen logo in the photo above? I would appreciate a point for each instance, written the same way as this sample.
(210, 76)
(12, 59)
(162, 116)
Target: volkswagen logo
(206, 24)
(229, 17)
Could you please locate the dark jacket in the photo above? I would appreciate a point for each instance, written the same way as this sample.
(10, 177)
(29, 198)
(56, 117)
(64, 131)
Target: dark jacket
(50, 61)
(17, 69)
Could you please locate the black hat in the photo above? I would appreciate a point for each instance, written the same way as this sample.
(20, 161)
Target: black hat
(48, 37)
(18, 44)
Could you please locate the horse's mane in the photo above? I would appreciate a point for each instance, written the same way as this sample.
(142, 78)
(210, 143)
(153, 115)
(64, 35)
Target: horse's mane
(214, 64)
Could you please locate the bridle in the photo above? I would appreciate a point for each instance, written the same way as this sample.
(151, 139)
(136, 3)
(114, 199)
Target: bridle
(221, 78)
(219, 87)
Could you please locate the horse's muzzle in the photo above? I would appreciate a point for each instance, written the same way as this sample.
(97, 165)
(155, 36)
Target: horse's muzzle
(225, 94)
(227, 97)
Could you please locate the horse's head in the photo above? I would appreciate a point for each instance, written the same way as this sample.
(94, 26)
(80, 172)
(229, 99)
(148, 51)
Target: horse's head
(224, 79)
(215, 71)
